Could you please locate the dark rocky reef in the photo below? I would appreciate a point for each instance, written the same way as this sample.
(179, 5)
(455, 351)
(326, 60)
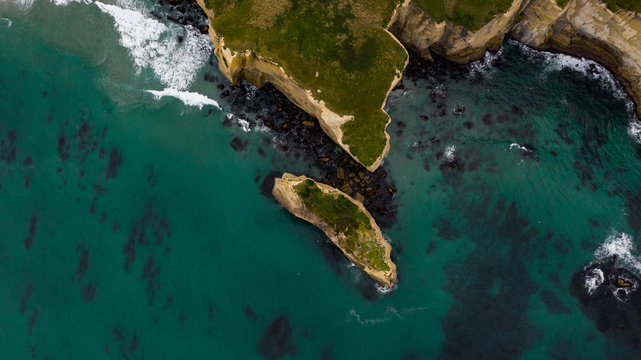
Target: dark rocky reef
(183, 12)
(610, 296)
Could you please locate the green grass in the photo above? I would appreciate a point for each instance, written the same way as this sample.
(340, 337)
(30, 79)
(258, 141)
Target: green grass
(562, 3)
(473, 14)
(344, 41)
(616, 5)
(345, 218)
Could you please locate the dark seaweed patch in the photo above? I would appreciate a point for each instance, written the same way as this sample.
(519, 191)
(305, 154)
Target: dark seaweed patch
(8, 150)
(26, 294)
(150, 273)
(28, 241)
(327, 353)
(277, 340)
(268, 184)
(493, 299)
(239, 144)
(32, 319)
(89, 291)
(127, 346)
(250, 313)
(552, 303)
(446, 230)
(115, 159)
(83, 262)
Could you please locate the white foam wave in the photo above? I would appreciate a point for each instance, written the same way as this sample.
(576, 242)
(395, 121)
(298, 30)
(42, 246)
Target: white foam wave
(517, 146)
(389, 314)
(20, 4)
(483, 66)
(586, 67)
(593, 280)
(622, 245)
(67, 2)
(187, 97)
(450, 153)
(634, 130)
(9, 22)
(154, 45)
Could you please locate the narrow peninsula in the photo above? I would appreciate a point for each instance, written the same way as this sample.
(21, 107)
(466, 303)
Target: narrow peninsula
(344, 220)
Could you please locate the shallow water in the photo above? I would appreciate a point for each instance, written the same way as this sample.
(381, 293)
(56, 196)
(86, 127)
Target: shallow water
(132, 229)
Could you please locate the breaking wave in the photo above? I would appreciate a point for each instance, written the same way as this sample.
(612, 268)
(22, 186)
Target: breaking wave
(557, 62)
(622, 245)
(187, 97)
(154, 45)
(634, 130)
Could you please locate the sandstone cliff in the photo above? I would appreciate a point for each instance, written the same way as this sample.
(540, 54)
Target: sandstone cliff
(285, 192)
(584, 28)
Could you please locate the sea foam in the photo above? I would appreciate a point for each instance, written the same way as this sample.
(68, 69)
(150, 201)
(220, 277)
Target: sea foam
(634, 130)
(154, 45)
(187, 97)
(622, 245)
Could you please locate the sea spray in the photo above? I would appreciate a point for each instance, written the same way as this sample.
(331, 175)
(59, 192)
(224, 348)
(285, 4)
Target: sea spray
(152, 44)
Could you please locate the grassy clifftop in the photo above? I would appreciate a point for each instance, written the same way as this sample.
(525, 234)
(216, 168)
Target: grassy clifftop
(472, 14)
(359, 238)
(338, 49)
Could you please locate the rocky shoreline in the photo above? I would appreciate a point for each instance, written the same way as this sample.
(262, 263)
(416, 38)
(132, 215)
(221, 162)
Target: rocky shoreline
(582, 28)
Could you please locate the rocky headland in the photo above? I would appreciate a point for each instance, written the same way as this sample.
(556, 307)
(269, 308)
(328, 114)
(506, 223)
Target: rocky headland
(585, 28)
(344, 220)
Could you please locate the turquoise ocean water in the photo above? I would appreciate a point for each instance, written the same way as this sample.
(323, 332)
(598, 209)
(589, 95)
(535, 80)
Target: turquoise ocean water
(131, 229)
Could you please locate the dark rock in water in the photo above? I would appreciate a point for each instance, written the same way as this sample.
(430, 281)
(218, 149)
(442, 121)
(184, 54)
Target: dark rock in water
(250, 313)
(277, 340)
(468, 125)
(184, 13)
(610, 296)
(295, 138)
(239, 144)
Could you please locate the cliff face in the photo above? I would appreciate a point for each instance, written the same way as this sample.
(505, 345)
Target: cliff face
(584, 28)
(422, 34)
(589, 29)
(284, 191)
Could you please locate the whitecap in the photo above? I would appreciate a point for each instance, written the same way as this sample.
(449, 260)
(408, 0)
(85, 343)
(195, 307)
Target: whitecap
(622, 245)
(152, 44)
(20, 4)
(634, 130)
(67, 2)
(187, 97)
(517, 146)
(9, 22)
(450, 153)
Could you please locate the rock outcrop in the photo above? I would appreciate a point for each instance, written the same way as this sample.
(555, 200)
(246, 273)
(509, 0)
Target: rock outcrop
(287, 193)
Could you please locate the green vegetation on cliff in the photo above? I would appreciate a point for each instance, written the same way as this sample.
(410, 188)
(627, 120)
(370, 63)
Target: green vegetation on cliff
(616, 5)
(339, 47)
(345, 218)
(472, 14)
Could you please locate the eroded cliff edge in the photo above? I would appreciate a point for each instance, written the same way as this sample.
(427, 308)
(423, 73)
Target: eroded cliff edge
(344, 220)
(585, 28)
(582, 28)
